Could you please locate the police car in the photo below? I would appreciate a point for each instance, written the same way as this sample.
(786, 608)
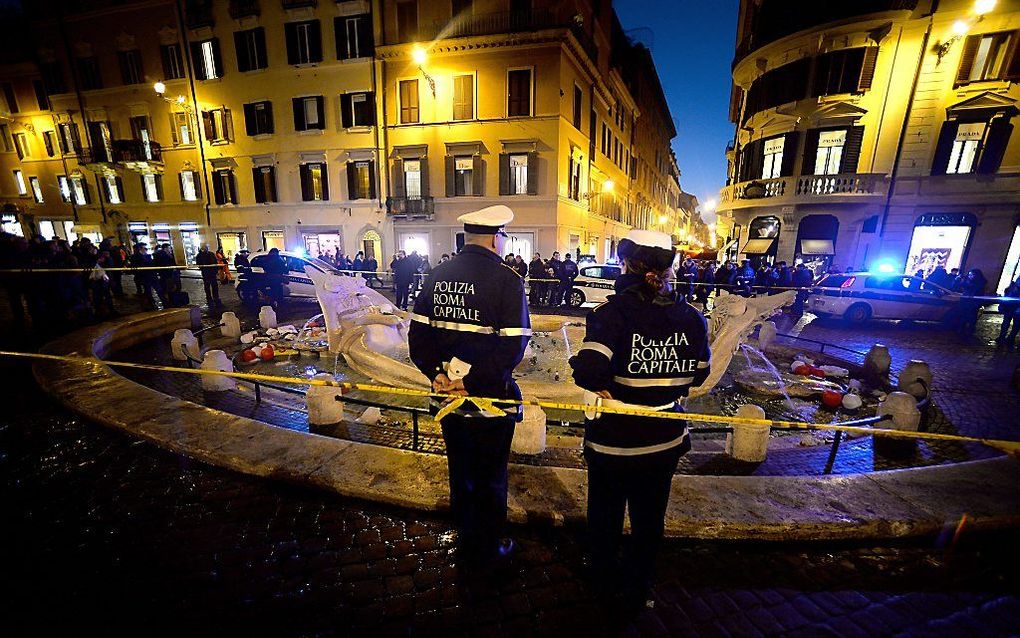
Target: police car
(858, 297)
(253, 282)
(594, 283)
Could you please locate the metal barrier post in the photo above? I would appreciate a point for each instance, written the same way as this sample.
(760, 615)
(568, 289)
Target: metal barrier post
(832, 452)
(414, 431)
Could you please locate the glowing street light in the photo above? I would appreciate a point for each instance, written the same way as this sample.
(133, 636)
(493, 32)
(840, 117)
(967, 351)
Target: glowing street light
(159, 87)
(418, 55)
(981, 7)
(960, 28)
(608, 186)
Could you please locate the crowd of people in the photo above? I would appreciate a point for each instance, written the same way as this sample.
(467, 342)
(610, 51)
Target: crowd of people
(79, 281)
(550, 280)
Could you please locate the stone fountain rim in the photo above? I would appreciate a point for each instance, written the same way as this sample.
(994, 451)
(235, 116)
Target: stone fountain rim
(878, 505)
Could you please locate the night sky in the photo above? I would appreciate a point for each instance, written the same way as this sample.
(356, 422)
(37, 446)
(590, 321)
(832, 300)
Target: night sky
(692, 43)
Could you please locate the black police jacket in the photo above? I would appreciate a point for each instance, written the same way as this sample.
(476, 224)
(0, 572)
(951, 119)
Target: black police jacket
(644, 352)
(472, 307)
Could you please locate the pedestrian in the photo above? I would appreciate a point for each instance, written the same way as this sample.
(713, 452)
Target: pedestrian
(208, 264)
(555, 271)
(371, 271)
(537, 287)
(802, 280)
(403, 268)
(221, 259)
(275, 269)
(468, 333)
(1009, 309)
(145, 278)
(631, 459)
(359, 262)
(974, 284)
(568, 273)
(520, 266)
(99, 286)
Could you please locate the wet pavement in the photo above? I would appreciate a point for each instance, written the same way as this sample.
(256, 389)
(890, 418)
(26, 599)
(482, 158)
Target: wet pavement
(107, 535)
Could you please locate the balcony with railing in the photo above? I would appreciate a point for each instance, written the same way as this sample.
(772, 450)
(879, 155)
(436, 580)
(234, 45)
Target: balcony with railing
(805, 189)
(136, 155)
(411, 207)
(299, 4)
(244, 8)
(143, 156)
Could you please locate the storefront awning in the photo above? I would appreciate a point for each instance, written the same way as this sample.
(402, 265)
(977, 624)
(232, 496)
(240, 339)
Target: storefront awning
(757, 246)
(816, 247)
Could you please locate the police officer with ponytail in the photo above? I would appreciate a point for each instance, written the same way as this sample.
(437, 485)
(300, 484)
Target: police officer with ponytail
(644, 349)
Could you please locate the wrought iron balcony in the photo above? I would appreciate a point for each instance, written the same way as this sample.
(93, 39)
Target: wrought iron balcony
(411, 207)
(244, 8)
(95, 158)
(139, 155)
(298, 4)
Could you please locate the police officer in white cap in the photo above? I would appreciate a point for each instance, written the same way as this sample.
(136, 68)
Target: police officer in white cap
(642, 349)
(469, 329)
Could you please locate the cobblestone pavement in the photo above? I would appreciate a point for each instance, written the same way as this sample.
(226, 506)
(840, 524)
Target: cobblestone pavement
(106, 535)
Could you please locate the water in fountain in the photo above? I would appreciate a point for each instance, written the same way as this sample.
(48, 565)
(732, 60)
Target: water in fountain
(769, 368)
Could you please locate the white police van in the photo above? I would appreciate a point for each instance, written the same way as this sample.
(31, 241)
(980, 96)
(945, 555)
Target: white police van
(860, 296)
(594, 283)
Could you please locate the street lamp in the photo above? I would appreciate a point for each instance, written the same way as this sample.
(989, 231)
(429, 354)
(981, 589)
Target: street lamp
(419, 56)
(179, 101)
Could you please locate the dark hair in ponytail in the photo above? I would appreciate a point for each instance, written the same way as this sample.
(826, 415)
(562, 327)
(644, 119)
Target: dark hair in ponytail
(656, 282)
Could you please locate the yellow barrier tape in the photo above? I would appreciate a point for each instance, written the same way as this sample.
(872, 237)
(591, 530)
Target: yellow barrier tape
(1009, 447)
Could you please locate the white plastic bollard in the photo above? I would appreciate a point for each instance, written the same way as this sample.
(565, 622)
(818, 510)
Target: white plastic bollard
(217, 360)
(267, 317)
(529, 435)
(231, 325)
(183, 340)
(766, 335)
(749, 442)
(323, 407)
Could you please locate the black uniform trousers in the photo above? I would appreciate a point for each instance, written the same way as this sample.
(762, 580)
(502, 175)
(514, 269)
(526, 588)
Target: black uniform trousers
(402, 290)
(641, 484)
(477, 451)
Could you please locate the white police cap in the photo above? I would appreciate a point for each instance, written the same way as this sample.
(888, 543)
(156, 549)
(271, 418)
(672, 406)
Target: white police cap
(655, 249)
(487, 221)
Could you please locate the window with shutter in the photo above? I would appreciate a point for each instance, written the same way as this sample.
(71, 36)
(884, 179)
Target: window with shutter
(353, 37)
(358, 110)
(947, 135)
(308, 113)
(264, 180)
(518, 93)
(463, 97)
(88, 71)
(258, 118)
(114, 189)
(407, 20)
(131, 67)
(251, 49)
(984, 57)
(967, 144)
(205, 56)
(151, 188)
(519, 178)
(578, 100)
(189, 186)
(360, 180)
(838, 72)
(173, 66)
(996, 141)
(852, 150)
(304, 42)
(868, 69)
(314, 182)
(224, 188)
(1013, 68)
(409, 112)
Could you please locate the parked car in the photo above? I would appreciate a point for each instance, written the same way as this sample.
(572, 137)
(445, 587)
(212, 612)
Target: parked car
(858, 297)
(252, 282)
(594, 283)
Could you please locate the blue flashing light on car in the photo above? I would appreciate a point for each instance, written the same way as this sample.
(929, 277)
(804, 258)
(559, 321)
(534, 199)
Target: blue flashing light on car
(299, 251)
